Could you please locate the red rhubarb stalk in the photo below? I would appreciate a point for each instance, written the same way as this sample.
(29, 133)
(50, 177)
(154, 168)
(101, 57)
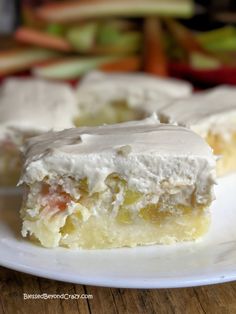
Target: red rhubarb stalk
(41, 39)
(155, 61)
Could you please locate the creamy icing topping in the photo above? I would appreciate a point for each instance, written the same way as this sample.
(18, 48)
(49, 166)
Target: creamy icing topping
(33, 105)
(145, 155)
(213, 110)
(137, 90)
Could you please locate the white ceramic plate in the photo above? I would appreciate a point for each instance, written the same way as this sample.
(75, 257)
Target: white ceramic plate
(211, 260)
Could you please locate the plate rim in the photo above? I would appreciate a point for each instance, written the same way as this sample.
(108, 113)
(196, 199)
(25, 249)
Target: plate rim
(166, 283)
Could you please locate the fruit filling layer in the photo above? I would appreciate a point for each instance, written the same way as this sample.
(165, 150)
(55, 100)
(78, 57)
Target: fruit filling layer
(225, 148)
(114, 112)
(66, 213)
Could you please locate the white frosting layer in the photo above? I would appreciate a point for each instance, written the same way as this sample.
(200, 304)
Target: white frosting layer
(213, 110)
(138, 90)
(145, 155)
(34, 105)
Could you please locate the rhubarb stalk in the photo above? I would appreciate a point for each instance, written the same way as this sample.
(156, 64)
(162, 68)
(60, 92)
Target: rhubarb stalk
(154, 56)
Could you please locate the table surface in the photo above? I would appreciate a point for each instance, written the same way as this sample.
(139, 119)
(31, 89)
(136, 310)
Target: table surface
(206, 299)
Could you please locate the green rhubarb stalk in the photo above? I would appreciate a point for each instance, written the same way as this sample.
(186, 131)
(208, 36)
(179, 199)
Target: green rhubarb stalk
(113, 38)
(108, 34)
(82, 38)
(71, 68)
(199, 61)
(129, 41)
(125, 43)
(55, 29)
(72, 11)
(17, 60)
(228, 44)
(215, 35)
(219, 40)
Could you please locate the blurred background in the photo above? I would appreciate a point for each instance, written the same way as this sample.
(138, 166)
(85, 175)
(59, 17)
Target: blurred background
(63, 40)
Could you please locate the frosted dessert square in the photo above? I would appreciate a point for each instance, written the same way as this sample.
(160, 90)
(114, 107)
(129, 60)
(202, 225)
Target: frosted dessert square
(29, 107)
(211, 114)
(114, 186)
(120, 97)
